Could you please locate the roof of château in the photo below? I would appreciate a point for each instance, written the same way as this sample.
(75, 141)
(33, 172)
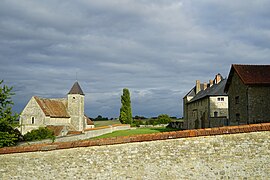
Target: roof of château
(76, 89)
(53, 107)
(250, 74)
(214, 90)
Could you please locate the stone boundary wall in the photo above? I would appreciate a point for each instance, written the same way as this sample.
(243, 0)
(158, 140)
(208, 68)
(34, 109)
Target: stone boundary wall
(139, 138)
(88, 133)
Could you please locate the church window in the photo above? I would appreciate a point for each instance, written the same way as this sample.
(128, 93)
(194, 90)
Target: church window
(33, 120)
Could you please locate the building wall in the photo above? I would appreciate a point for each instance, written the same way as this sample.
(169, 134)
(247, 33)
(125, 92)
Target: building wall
(219, 106)
(201, 113)
(197, 113)
(32, 110)
(76, 111)
(237, 105)
(57, 121)
(259, 104)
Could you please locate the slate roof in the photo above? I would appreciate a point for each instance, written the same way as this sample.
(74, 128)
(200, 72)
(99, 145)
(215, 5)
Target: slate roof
(76, 89)
(53, 107)
(214, 90)
(250, 74)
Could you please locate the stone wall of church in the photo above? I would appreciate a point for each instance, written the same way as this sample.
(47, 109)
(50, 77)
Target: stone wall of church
(32, 117)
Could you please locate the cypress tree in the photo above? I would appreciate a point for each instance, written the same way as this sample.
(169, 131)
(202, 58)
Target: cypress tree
(125, 110)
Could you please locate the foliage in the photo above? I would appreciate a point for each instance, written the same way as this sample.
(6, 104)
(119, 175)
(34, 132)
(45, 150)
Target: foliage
(164, 119)
(137, 123)
(139, 117)
(8, 135)
(39, 134)
(100, 118)
(125, 110)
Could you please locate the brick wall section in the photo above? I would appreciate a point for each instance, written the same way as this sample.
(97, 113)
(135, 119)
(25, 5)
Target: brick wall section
(139, 138)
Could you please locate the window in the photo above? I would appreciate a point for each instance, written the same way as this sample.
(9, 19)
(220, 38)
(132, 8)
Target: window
(73, 97)
(220, 98)
(215, 114)
(237, 100)
(237, 117)
(33, 120)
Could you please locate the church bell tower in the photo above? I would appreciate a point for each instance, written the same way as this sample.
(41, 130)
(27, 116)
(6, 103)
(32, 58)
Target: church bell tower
(76, 107)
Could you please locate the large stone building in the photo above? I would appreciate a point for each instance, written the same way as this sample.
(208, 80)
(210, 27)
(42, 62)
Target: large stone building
(206, 105)
(248, 88)
(61, 115)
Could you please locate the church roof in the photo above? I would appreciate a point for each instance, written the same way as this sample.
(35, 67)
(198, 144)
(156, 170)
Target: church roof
(53, 107)
(89, 121)
(76, 89)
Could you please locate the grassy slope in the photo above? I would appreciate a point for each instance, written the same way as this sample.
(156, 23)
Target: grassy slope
(106, 123)
(135, 131)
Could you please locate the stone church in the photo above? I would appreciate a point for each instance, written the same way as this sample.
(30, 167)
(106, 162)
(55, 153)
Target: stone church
(64, 116)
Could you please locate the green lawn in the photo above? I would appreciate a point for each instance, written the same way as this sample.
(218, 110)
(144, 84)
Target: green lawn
(106, 123)
(135, 131)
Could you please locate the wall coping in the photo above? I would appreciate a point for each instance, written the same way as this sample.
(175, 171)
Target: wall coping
(138, 138)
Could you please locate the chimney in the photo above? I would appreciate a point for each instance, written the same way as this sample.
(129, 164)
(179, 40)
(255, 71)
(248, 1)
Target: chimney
(218, 78)
(198, 86)
(211, 82)
(204, 86)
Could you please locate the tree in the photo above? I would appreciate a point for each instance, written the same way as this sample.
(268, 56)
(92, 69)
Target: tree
(164, 119)
(8, 134)
(125, 110)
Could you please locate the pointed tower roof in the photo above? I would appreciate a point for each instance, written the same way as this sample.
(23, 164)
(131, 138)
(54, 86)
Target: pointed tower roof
(76, 89)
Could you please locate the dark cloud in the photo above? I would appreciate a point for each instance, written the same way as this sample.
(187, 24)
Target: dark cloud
(157, 49)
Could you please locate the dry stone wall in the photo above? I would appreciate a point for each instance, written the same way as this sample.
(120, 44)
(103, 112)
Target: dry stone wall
(231, 156)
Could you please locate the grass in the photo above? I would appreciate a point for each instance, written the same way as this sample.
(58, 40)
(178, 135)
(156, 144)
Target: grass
(135, 131)
(106, 123)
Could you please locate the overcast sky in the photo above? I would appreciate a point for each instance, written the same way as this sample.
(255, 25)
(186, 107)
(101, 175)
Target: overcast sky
(155, 48)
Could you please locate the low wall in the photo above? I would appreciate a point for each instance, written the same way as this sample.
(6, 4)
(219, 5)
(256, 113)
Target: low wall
(139, 138)
(230, 156)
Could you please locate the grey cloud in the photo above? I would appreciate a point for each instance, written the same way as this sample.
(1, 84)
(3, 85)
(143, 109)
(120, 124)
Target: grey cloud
(157, 49)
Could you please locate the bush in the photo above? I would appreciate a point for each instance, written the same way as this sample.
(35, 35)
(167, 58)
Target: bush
(137, 123)
(39, 134)
(164, 119)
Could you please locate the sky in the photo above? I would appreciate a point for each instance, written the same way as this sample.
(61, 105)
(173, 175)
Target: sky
(155, 48)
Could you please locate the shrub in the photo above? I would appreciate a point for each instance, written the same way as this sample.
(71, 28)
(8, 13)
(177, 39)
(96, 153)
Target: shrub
(137, 123)
(164, 119)
(39, 134)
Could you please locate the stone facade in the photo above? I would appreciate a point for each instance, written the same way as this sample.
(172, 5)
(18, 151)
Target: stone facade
(248, 100)
(206, 105)
(66, 112)
(234, 156)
